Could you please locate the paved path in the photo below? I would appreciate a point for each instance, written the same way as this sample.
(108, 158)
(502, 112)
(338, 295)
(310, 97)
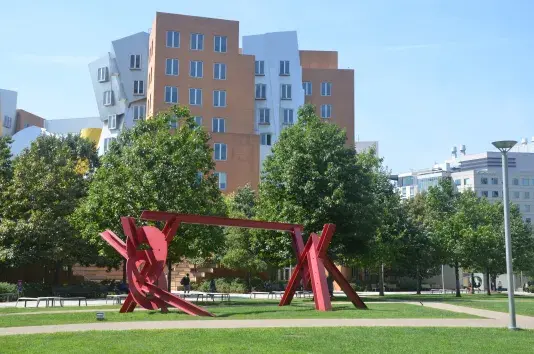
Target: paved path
(492, 319)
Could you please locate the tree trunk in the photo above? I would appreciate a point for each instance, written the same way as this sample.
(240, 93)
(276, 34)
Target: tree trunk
(381, 280)
(418, 281)
(457, 276)
(169, 276)
(487, 281)
(249, 280)
(472, 283)
(57, 272)
(124, 272)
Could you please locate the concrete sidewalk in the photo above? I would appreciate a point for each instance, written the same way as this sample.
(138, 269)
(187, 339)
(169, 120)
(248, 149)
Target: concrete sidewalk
(492, 319)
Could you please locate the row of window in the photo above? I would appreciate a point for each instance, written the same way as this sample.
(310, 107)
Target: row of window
(196, 41)
(8, 121)
(195, 96)
(524, 181)
(196, 69)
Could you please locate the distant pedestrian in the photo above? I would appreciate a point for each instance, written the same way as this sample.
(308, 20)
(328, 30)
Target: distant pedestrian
(213, 288)
(186, 282)
(330, 283)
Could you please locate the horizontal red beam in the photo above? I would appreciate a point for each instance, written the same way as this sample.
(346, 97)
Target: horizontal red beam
(217, 221)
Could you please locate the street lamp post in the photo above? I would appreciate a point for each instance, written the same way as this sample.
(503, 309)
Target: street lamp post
(504, 147)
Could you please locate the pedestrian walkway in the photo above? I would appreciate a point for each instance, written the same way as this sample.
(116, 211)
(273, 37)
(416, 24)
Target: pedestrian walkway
(491, 319)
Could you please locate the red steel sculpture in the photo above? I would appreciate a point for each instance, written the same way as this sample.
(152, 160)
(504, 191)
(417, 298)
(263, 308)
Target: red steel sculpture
(144, 267)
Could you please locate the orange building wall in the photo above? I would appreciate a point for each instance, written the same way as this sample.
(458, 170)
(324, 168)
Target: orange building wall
(26, 118)
(242, 165)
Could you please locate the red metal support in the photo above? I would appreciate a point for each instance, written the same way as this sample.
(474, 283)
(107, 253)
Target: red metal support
(144, 267)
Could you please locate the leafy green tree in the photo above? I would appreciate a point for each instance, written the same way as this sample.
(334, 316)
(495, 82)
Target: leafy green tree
(313, 177)
(241, 249)
(418, 255)
(150, 167)
(446, 224)
(47, 185)
(6, 167)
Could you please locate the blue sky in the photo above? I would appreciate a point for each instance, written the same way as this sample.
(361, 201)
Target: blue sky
(429, 74)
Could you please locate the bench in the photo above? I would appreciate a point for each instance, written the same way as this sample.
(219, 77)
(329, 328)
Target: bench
(304, 294)
(198, 295)
(8, 296)
(49, 300)
(275, 294)
(75, 298)
(117, 299)
(254, 293)
(222, 295)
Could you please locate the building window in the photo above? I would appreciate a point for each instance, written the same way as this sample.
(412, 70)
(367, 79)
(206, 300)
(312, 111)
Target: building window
(484, 180)
(326, 111)
(173, 124)
(221, 177)
(458, 182)
(527, 208)
(326, 89)
(135, 61)
(107, 144)
(7, 121)
(284, 67)
(515, 182)
(219, 98)
(103, 74)
(219, 43)
(526, 195)
(139, 87)
(195, 96)
(286, 91)
(261, 91)
(288, 116)
(466, 181)
(259, 68)
(307, 86)
(516, 195)
(495, 194)
(26, 125)
(108, 98)
(494, 180)
(525, 181)
(218, 125)
(412, 191)
(171, 94)
(219, 71)
(139, 112)
(220, 152)
(198, 120)
(485, 194)
(197, 41)
(171, 67)
(264, 116)
(173, 39)
(196, 68)
(265, 139)
(528, 220)
(112, 121)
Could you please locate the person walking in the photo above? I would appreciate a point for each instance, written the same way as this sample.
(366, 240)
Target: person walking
(186, 282)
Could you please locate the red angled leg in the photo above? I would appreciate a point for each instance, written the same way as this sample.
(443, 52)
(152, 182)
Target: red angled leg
(296, 276)
(344, 284)
(129, 304)
(298, 247)
(318, 277)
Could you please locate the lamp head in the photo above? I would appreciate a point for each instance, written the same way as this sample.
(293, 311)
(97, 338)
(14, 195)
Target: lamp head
(504, 145)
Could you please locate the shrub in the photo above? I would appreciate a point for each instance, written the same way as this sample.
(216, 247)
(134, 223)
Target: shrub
(531, 289)
(357, 287)
(8, 288)
(225, 285)
(36, 289)
(89, 289)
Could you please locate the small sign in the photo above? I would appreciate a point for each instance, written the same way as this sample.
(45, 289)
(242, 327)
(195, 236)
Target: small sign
(100, 316)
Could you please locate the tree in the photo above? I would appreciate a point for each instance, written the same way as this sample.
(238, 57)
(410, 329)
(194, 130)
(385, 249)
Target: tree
(150, 167)
(419, 254)
(47, 186)
(445, 224)
(241, 249)
(6, 167)
(313, 177)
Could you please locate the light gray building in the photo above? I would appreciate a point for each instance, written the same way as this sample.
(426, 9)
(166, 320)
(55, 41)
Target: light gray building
(119, 81)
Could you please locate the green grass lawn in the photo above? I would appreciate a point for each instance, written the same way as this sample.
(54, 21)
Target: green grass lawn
(260, 311)
(278, 340)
